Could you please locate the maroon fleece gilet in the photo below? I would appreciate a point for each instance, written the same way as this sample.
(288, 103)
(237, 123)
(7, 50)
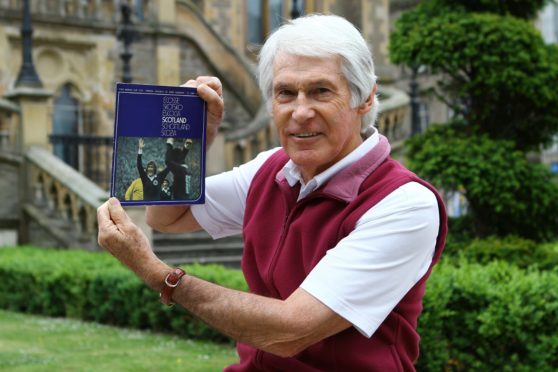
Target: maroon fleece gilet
(284, 239)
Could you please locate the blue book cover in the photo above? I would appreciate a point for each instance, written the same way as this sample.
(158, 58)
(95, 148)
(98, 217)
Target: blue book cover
(159, 145)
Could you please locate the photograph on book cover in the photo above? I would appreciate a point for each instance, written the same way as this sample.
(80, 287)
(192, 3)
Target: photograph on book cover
(159, 145)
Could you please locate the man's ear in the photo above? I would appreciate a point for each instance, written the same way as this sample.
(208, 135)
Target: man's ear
(367, 105)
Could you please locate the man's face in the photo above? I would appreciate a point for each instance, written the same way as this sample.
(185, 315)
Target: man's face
(150, 169)
(311, 109)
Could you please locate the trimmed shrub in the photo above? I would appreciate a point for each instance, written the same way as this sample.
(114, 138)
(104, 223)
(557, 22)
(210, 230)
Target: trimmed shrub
(514, 250)
(476, 317)
(507, 194)
(493, 317)
(94, 286)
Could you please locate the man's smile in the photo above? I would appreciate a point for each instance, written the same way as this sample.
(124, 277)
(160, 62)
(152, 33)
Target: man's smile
(305, 135)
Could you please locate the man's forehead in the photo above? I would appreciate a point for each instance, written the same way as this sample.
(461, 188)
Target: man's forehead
(283, 82)
(290, 69)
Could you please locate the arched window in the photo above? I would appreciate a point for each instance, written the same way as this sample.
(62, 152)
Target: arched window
(65, 126)
(264, 16)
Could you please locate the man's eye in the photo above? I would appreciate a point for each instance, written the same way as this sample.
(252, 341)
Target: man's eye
(284, 93)
(321, 91)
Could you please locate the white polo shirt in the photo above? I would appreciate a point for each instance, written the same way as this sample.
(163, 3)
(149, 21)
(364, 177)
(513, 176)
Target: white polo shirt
(368, 272)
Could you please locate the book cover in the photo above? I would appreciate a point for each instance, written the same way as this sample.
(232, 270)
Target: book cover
(159, 145)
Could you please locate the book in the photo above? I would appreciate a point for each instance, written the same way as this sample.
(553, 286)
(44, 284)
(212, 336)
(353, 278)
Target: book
(159, 145)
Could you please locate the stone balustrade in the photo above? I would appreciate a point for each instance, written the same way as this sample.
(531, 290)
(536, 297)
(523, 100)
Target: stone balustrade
(394, 112)
(59, 192)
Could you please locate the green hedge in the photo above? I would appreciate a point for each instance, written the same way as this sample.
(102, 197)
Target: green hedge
(496, 316)
(94, 286)
(521, 252)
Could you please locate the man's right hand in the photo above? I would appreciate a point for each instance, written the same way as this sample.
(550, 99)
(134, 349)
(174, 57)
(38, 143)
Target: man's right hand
(179, 218)
(210, 90)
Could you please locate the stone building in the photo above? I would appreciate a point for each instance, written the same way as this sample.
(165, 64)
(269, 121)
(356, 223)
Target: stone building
(76, 53)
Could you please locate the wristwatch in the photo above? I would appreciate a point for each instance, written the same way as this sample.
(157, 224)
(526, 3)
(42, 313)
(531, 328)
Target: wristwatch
(172, 280)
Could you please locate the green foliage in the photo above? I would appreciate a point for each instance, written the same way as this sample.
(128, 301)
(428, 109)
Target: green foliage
(498, 76)
(521, 252)
(489, 318)
(507, 194)
(460, 230)
(497, 73)
(492, 317)
(527, 9)
(94, 286)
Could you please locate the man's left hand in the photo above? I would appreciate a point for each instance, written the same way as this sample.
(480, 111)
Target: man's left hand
(125, 241)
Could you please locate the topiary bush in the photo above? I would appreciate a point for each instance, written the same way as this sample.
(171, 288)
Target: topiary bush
(494, 317)
(514, 250)
(94, 286)
(507, 194)
(496, 72)
(527, 9)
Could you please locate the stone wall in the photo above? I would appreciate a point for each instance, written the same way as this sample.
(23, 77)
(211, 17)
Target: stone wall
(193, 64)
(9, 198)
(11, 190)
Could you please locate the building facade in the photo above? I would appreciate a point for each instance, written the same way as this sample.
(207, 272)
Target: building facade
(77, 52)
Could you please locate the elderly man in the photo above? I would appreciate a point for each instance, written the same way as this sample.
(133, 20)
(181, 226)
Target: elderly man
(339, 238)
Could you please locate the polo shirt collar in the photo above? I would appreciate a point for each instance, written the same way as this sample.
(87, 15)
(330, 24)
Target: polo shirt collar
(291, 172)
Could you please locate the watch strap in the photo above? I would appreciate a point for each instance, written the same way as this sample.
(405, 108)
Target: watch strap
(172, 280)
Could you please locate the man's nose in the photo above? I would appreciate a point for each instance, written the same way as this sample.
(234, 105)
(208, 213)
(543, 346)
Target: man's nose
(303, 109)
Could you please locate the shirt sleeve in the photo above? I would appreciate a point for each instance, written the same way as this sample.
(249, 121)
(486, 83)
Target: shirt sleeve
(225, 198)
(368, 272)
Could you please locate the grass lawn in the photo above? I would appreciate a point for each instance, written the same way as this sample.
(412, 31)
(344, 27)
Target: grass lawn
(35, 343)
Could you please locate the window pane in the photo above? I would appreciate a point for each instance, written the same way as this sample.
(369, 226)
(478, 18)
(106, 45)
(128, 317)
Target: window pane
(275, 14)
(254, 21)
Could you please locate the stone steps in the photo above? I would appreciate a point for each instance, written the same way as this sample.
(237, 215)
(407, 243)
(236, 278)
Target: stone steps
(198, 247)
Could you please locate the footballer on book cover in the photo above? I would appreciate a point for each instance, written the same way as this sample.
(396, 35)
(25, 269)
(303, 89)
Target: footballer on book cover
(159, 145)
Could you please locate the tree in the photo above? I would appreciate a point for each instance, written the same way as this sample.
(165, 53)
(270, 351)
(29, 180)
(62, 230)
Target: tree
(507, 194)
(526, 9)
(499, 77)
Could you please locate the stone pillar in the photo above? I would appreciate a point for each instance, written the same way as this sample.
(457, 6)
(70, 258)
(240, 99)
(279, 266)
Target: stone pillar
(375, 29)
(166, 11)
(167, 49)
(168, 62)
(215, 161)
(228, 19)
(35, 122)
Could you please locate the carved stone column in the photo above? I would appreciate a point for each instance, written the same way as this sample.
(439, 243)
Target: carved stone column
(28, 92)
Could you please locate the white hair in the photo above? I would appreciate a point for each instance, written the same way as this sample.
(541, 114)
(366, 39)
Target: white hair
(319, 35)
